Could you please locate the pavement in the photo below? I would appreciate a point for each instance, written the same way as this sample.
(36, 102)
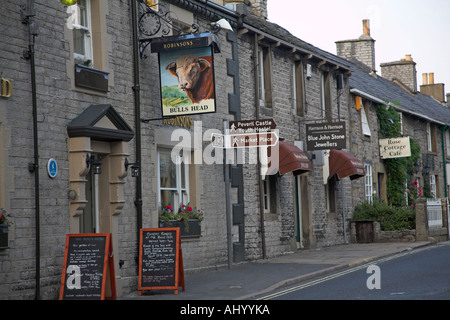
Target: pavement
(249, 279)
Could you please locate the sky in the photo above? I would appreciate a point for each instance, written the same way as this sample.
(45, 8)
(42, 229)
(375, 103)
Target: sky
(400, 27)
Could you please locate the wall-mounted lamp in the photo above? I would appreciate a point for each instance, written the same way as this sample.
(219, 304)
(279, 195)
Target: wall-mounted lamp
(69, 2)
(96, 164)
(134, 168)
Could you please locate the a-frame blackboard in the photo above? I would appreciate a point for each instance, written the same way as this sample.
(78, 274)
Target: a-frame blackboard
(88, 260)
(160, 260)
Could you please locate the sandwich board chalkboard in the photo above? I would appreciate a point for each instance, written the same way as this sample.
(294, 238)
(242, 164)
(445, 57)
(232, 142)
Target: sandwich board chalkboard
(88, 259)
(160, 260)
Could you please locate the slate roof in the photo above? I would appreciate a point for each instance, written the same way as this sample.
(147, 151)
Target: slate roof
(418, 104)
(280, 33)
(85, 125)
(421, 105)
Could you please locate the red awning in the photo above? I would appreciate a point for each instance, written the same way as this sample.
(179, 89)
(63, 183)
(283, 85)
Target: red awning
(344, 164)
(292, 159)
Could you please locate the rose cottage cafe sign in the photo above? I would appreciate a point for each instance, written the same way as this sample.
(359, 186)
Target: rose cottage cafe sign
(186, 66)
(395, 148)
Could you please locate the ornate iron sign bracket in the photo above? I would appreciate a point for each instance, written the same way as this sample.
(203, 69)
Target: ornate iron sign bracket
(152, 22)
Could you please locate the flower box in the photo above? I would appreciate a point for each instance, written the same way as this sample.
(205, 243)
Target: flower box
(192, 230)
(4, 236)
(91, 78)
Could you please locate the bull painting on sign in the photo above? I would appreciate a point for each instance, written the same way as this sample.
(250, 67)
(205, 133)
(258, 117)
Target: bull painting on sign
(187, 81)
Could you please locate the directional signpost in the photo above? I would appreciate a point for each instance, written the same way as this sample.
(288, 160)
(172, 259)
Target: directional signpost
(248, 133)
(252, 126)
(245, 140)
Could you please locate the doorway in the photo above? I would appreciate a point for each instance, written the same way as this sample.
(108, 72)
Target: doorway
(299, 214)
(89, 222)
(304, 237)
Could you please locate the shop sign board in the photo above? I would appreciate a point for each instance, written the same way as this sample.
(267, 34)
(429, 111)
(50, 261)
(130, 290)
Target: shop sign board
(88, 267)
(186, 67)
(395, 148)
(326, 136)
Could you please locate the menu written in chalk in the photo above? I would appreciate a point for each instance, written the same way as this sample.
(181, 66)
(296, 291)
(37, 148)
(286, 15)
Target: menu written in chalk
(85, 265)
(159, 259)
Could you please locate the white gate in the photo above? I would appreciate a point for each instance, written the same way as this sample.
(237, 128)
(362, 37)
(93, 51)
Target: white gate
(434, 213)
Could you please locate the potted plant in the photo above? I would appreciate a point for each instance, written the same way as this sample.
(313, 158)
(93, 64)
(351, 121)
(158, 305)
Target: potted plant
(186, 218)
(4, 228)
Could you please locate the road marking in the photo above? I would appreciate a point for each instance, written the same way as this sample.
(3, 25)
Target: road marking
(333, 276)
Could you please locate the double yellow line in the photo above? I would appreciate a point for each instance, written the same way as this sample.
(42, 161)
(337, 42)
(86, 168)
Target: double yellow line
(332, 276)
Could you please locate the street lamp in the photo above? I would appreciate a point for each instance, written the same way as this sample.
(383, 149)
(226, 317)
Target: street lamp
(69, 2)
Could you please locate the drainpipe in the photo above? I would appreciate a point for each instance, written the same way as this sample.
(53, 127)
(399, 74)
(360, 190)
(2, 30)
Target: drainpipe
(137, 114)
(444, 128)
(260, 182)
(28, 14)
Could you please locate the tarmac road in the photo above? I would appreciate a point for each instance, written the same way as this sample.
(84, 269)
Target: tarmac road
(422, 274)
(252, 279)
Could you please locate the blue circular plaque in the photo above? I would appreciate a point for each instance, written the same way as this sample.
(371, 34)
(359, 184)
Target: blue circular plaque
(52, 168)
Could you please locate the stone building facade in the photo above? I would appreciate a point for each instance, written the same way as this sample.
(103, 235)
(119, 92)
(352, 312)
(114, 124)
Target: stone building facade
(88, 96)
(423, 118)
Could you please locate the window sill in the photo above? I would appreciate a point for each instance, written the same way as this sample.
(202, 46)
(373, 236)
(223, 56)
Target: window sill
(90, 78)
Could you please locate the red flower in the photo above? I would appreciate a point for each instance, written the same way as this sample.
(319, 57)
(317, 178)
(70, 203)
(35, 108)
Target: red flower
(189, 208)
(169, 207)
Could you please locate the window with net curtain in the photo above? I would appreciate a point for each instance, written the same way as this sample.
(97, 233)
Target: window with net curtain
(173, 179)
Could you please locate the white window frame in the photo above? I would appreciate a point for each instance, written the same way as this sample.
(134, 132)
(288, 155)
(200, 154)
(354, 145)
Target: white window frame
(323, 95)
(294, 87)
(88, 54)
(364, 122)
(400, 115)
(181, 193)
(433, 186)
(368, 182)
(429, 140)
(262, 92)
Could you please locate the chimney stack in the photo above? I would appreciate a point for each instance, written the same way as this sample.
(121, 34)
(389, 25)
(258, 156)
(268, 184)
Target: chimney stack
(436, 90)
(431, 78)
(361, 49)
(366, 27)
(259, 7)
(403, 71)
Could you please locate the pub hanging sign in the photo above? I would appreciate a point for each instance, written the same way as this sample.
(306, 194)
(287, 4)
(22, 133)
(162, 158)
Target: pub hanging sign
(186, 66)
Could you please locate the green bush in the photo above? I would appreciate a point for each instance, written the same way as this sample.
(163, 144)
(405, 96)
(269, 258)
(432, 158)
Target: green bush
(390, 218)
